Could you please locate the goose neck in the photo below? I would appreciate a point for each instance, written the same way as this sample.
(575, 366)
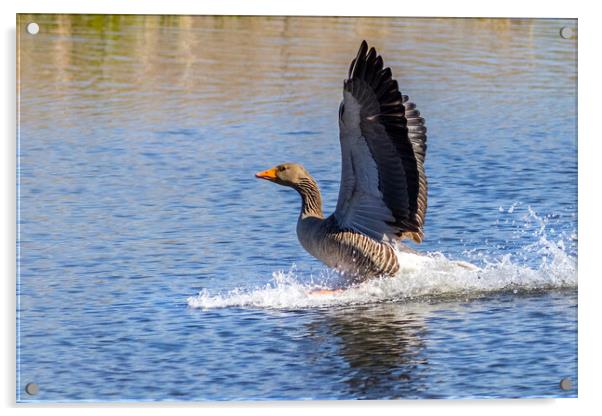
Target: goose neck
(311, 205)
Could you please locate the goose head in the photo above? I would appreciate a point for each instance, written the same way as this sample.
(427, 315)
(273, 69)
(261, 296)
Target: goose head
(286, 174)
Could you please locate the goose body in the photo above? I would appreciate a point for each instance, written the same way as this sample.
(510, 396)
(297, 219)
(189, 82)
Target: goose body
(383, 192)
(349, 252)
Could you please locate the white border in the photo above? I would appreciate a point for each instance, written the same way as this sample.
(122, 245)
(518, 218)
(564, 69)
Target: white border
(589, 190)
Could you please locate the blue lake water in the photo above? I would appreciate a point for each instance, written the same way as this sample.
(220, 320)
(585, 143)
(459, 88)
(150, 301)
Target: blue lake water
(154, 266)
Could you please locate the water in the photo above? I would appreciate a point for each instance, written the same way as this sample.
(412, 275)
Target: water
(154, 266)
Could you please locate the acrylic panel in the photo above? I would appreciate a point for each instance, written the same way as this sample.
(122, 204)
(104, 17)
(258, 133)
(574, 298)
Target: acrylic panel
(154, 266)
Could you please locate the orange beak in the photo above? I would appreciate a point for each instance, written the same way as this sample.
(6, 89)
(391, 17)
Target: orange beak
(269, 174)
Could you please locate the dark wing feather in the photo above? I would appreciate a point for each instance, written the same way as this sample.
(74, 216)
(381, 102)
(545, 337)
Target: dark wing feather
(395, 135)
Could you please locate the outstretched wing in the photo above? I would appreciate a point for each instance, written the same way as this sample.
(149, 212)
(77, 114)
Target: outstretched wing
(383, 190)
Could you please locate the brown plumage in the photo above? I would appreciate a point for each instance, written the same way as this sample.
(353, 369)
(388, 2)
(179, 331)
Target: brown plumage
(383, 193)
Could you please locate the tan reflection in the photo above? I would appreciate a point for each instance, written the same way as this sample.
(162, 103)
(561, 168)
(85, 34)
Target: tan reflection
(228, 64)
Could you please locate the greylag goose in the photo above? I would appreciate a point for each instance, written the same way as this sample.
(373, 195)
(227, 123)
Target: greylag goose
(383, 191)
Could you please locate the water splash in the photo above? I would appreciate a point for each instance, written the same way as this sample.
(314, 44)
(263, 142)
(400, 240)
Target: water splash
(544, 264)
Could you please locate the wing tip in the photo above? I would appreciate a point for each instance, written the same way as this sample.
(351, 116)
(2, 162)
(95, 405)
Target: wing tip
(365, 59)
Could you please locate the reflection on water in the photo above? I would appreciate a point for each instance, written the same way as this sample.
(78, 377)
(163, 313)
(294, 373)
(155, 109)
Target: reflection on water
(383, 346)
(138, 140)
(194, 60)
